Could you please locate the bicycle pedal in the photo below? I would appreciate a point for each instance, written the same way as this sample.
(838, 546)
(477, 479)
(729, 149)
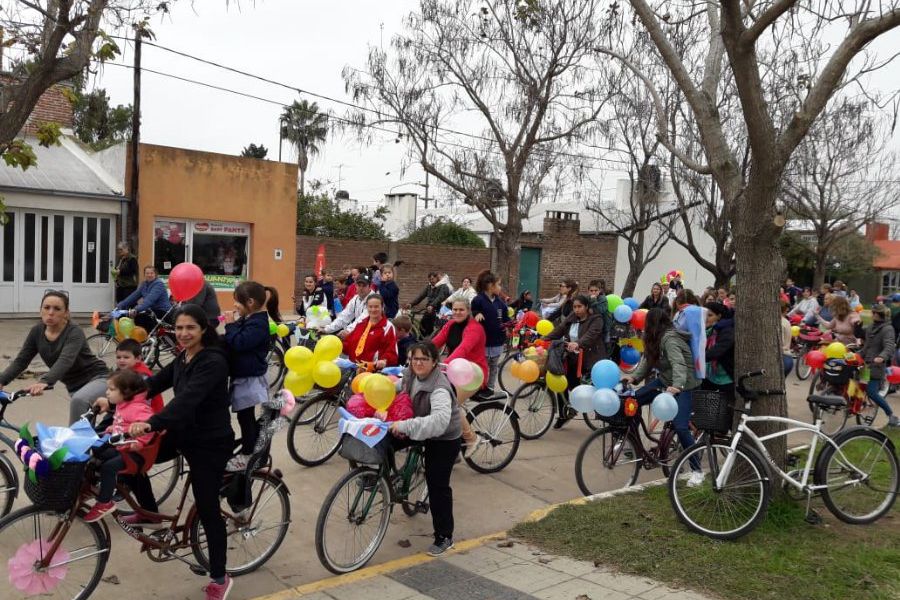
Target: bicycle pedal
(198, 570)
(813, 518)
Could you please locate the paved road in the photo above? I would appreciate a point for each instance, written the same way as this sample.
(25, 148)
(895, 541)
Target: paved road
(542, 473)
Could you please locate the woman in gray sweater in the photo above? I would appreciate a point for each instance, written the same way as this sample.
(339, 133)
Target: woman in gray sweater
(63, 347)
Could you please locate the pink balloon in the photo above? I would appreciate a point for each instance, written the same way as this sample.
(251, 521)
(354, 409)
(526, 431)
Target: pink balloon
(459, 372)
(185, 281)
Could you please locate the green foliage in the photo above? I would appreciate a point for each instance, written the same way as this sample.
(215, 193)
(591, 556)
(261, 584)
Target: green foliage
(254, 151)
(445, 233)
(19, 153)
(98, 124)
(318, 214)
(853, 254)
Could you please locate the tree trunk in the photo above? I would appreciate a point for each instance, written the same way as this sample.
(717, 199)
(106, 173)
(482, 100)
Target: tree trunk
(508, 260)
(819, 271)
(302, 181)
(634, 271)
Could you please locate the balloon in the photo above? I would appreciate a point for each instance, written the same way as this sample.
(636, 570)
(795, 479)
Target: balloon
(544, 327)
(139, 334)
(379, 392)
(511, 311)
(273, 327)
(631, 303)
(606, 402)
(581, 398)
(328, 348)
(299, 359)
(126, 326)
(835, 350)
(613, 302)
(459, 372)
(795, 330)
(119, 336)
(639, 318)
(514, 369)
(282, 330)
(529, 371)
(476, 381)
(893, 375)
(664, 407)
(630, 355)
(532, 318)
(185, 281)
(359, 382)
(623, 313)
(859, 308)
(95, 319)
(557, 383)
(815, 359)
(298, 384)
(326, 374)
(605, 374)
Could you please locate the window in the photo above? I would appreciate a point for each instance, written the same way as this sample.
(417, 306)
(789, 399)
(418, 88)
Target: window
(220, 249)
(77, 248)
(169, 245)
(9, 247)
(890, 283)
(221, 254)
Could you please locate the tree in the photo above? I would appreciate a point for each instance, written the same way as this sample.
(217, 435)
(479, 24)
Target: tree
(97, 124)
(306, 128)
(444, 233)
(851, 258)
(786, 59)
(254, 151)
(519, 72)
(840, 178)
(319, 214)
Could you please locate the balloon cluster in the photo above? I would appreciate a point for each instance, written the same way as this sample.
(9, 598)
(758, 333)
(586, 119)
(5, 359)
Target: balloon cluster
(313, 367)
(602, 398)
(465, 375)
(125, 329)
(378, 390)
(892, 374)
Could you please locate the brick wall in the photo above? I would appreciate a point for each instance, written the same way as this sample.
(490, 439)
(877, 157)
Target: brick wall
(51, 107)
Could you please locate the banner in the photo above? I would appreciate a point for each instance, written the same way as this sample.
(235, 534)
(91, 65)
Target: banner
(320, 260)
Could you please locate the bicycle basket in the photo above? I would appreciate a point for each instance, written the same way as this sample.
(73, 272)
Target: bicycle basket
(356, 451)
(711, 411)
(837, 371)
(59, 489)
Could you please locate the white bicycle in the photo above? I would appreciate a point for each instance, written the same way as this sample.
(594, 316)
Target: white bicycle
(856, 472)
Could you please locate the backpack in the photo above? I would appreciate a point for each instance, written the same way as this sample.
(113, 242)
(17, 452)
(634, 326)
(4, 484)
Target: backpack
(555, 362)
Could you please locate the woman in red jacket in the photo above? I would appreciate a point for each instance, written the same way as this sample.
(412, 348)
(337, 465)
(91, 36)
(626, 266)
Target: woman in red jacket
(463, 337)
(373, 339)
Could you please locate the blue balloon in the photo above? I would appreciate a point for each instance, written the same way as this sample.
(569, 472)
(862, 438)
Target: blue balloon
(665, 407)
(623, 313)
(630, 355)
(606, 402)
(632, 303)
(605, 374)
(581, 398)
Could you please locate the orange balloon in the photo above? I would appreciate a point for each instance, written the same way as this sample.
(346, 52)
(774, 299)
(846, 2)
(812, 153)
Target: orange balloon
(529, 371)
(357, 384)
(139, 334)
(514, 369)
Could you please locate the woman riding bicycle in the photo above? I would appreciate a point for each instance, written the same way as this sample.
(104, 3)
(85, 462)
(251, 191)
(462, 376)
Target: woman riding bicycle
(373, 339)
(63, 348)
(585, 334)
(197, 422)
(568, 289)
(844, 320)
(877, 352)
(668, 352)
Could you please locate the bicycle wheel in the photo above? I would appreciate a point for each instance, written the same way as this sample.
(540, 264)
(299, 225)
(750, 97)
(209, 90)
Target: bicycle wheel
(277, 370)
(76, 566)
(868, 412)
(9, 484)
(254, 534)
(802, 369)
(607, 460)
(497, 432)
(834, 419)
(104, 348)
(353, 520)
(536, 408)
(313, 435)
(416, 501)
(504, 378)
(725, 513)
(862, 476)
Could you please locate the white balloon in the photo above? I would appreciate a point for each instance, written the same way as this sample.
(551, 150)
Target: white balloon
(665, 407)
(606, 402)
(581, 398)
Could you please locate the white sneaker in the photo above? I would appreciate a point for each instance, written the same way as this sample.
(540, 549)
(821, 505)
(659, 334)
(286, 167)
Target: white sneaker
(696, 479)
(237, 463)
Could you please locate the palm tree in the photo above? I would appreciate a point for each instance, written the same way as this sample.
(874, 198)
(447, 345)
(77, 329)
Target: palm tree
(306, 128)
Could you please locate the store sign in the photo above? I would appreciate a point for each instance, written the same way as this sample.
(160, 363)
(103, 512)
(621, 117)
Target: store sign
(220, 227)
(220, 283)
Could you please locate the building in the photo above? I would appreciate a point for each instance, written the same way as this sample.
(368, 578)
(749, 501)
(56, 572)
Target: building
(887, 264)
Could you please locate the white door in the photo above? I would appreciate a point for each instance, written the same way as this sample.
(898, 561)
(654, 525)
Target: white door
(9, 291)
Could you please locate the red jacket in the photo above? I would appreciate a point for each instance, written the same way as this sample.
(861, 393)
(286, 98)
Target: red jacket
(381, 343)
(156, 403)
(472, 347)
(136, 410)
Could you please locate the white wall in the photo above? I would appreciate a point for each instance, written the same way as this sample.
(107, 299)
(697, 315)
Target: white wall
(401, 214)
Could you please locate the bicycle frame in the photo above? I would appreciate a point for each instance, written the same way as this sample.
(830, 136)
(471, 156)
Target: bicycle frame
(386, 471)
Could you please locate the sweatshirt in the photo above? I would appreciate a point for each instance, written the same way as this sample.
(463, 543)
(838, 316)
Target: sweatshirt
(495, 314)
(152, 296)
(391, 294)
(380, 344)
(136, 410)
(248, 341)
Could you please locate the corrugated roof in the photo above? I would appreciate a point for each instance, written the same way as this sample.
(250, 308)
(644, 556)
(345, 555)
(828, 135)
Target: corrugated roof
(58, 169)
(889, 257)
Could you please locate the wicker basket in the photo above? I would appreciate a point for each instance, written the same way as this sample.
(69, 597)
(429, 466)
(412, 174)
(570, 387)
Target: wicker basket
(58, 490)
(711, 411)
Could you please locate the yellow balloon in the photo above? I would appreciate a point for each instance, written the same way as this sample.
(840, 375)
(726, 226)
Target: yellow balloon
(836, 350)
(299, 359)
(529, 371)
(282, 330)
(379, 392)
(326, 374)
(557, 383)
(328, 348)
(298, 384)
(795, 331)
(544, 327)
(359, 382)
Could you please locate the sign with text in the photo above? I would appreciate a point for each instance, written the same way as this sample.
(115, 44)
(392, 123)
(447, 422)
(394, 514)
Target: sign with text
(221, 228)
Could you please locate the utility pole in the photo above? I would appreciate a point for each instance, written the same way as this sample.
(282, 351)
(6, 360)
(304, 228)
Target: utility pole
(133, 214)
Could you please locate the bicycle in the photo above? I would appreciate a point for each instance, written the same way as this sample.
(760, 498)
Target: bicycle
(160, 348)
(613, 456)
(416, 315)
(72, 554)
(856, 472)
(843, 379)
(496, 428)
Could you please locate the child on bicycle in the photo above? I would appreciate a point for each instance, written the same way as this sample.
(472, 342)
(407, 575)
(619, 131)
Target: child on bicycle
(128, 356)
(247, 337)
(126, 390)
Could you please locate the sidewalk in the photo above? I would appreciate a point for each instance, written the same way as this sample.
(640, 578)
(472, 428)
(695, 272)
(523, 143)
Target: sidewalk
(495, 568)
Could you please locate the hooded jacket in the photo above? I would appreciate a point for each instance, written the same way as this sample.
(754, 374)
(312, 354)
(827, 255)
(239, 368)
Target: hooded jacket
(720, 346)
(675, 362)
(136, 410)
(249, 342)
(879, 342)
(435, 295)
(471, 347)
(434, 406)
(380, 344)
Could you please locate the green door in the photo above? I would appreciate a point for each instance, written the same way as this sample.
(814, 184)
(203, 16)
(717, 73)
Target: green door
(529, 271)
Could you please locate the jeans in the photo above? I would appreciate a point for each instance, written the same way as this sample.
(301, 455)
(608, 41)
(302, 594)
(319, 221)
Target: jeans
(83, 399)
(651, 390)
(872, 390)
(788, 361)
(493, 353)
(439, 458)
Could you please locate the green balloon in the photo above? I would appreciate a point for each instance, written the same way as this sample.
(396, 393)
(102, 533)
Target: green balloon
(273, 327)
(613, 302)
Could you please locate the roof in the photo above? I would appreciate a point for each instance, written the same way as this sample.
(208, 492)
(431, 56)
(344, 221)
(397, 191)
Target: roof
(889, 255)
(63, 169)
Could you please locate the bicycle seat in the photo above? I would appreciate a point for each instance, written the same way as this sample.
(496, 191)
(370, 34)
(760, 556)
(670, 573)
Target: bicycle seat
(828, 400)
(487, 396)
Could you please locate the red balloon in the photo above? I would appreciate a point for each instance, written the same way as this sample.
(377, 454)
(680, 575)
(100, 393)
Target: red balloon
(893, 375)
(815, 359)
(185, 281)
(532, 318)
(638, 319)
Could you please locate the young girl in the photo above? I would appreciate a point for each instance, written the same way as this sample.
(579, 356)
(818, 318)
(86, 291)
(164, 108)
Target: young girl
(248, 341)
(127, 391)
(389, 291)
(491, 312)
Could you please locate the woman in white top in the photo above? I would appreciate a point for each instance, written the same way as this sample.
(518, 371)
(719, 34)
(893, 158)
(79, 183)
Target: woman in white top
(465, 292)
(807, 306)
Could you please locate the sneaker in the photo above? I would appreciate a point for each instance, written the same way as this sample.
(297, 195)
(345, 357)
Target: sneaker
(238, 463)
(440, 546)
(893, 421)
(560, 422)
(98, 511)
(696, 479)
(139, 520)
(217, 591)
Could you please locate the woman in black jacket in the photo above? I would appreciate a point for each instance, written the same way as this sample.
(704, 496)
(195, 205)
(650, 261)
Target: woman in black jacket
(656, 299)
(197, 423)
(719, 349)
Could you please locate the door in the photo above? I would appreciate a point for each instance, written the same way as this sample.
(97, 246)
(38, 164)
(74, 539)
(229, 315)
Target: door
(43, 257)
(9, 291)
(529, 271)
(92, 263)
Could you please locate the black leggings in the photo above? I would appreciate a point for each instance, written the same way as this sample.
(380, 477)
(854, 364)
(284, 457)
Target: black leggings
(207, 465)
(249, 429)
(113, 462)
